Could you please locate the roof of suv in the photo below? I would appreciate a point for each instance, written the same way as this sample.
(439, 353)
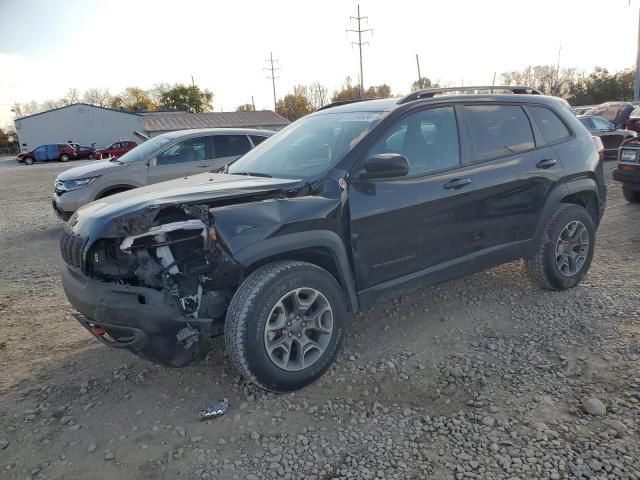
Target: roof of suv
(439, 96)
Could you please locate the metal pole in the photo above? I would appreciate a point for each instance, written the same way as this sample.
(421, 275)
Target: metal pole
(253, 104)
(419, 76)
(636, 85)
(273, 82)
(359, 31)
(556, 88)
(493, 82)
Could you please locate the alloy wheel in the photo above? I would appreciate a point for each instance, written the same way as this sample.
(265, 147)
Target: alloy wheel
(572, 248)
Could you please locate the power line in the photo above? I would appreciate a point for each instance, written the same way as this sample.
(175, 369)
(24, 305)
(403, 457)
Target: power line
(273, 77)
(359, 43)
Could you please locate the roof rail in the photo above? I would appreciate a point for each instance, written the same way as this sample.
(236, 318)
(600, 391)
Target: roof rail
(342, 102)
(431, 92)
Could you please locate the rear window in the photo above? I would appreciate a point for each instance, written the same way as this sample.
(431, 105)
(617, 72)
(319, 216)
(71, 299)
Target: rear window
(231, 145)
(553, 129)
(499, 130)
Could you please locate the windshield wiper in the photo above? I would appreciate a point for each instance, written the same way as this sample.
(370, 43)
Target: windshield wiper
(253, 174)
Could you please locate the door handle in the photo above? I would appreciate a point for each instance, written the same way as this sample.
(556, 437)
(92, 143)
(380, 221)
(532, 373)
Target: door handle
(202, 166)
(457, 183)
(546, 163)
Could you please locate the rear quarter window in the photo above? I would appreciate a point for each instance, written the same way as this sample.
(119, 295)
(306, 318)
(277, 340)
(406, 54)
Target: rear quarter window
(553, 129)
(499, 130)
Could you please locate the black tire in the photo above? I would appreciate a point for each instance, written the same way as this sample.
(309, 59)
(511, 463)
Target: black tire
(248, 313)
(632, 196)
(541, 266)
(28, 161)
(64, 157)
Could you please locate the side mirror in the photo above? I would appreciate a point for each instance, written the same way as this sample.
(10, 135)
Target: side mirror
(385, 165)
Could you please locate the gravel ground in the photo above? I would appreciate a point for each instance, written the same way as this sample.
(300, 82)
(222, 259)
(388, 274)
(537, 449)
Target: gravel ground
(485, 377)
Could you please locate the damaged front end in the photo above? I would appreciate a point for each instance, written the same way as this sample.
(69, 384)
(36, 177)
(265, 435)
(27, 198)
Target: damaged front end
(148, 283)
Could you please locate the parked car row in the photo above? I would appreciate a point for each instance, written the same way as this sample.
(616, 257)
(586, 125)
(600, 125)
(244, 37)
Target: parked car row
(64, 152)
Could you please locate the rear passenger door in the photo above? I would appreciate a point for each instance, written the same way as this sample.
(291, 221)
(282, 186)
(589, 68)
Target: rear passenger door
(229, 148)
(516, 169)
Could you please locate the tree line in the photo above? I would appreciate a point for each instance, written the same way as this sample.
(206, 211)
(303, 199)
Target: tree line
(189, 98)
(578, 88)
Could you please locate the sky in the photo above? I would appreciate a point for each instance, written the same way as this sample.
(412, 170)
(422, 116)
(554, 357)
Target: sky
(50, 46)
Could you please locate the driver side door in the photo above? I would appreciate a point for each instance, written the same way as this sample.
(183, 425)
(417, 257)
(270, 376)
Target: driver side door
(184, 158)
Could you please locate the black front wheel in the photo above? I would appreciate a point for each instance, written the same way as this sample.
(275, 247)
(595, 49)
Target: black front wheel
(285, 324)
(564, 253)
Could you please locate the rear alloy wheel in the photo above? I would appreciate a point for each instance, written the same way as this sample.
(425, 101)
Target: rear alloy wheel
(632, 196)
(64, 157)
(564, 253)
(285, 324)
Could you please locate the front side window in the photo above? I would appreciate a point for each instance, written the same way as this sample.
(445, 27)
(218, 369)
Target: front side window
(499, 130)
(553, 129)
(428, 139)
(231, 145)
(309, 146)
(190, 150)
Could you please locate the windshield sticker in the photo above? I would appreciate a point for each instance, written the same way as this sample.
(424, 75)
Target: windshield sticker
(361, 117)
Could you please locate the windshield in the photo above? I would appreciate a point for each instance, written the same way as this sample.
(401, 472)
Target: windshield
(308, 146)
(145, 150)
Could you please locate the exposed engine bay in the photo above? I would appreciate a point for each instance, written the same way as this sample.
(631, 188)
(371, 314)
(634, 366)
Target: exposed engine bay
(175, 251)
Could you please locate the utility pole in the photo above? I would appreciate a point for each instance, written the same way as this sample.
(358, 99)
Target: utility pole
(419, 76)
(360, 31)
(273, 77)
(193, 84)
(556, 89)
(253, 104)
(636, 84)
(493, 83)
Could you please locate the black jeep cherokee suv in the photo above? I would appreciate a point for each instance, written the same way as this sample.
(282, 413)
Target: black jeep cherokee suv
(351, 204)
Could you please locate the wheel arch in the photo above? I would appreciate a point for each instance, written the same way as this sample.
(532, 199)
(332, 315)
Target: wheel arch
(580, 191)
(319, 247)
(110, 190)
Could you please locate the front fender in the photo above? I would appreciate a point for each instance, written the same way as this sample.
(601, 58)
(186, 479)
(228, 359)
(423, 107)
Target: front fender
(301, 240)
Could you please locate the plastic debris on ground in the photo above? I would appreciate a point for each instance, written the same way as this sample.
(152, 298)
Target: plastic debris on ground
(215, 410)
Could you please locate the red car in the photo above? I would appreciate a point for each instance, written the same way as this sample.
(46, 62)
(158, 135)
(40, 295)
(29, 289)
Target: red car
(45, 153)
(116, 149)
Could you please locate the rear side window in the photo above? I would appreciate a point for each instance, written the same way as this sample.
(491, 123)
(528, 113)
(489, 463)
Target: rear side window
(231, 145)
(499, 130)
(553, 129)
(257, 140)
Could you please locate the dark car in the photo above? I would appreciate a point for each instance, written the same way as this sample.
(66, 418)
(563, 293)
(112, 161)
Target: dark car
(633, 122)
(614, 112)
(352, 204)
(611, 137)
(628, 170)
(44, 153)
(116, 149)
(83, 152)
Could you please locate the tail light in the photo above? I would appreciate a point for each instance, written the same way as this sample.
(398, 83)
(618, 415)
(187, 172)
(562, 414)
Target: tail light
(599, 145)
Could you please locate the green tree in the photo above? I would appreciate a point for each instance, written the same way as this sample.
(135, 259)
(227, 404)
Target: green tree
(136, 98)
(378, 91)
(296, 104)
(187, 97)
(245, 107)
(601, 86)
(348, 91)
(424, 83)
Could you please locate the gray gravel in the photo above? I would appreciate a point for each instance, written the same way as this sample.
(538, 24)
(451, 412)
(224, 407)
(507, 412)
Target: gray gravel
(485, 377)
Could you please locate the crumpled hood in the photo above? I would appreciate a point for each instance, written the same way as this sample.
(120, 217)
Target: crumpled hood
(90, 170)
(203, 187)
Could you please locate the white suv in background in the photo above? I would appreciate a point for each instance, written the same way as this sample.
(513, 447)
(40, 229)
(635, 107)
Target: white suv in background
(165, 157)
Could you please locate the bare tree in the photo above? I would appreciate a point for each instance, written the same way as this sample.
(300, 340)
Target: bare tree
(97, 96)
(318, 95)
(72, 96)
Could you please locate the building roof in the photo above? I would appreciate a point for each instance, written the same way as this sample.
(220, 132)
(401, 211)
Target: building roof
(78, 104)
(165, 121)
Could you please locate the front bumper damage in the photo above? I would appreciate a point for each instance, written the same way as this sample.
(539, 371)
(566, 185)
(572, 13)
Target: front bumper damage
(131, 292)
(137, 319)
